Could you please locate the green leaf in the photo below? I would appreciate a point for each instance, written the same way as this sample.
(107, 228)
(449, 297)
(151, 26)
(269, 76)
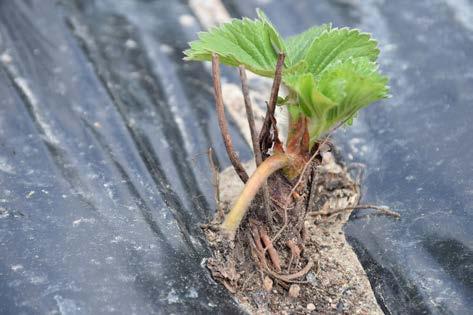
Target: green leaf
(354, 84)
(281, 101)
(342, 90)
(248, 42)
(276, 39)
(297, 45)
(331, 73)
(338, 45)
(312, 103)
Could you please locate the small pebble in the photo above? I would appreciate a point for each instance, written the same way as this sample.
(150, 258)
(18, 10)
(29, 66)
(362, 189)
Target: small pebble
(312, 278)
(294, 290)
(267, 284)
(311, 306)
(6, 58)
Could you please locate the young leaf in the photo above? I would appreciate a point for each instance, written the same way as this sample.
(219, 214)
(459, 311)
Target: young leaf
(342, 90)
(353, 85)
(248, 42)
(312, 103)
(297, 45)
(337, 45)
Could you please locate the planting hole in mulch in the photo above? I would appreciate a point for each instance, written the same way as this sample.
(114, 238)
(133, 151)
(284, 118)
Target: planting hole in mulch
(300, 261)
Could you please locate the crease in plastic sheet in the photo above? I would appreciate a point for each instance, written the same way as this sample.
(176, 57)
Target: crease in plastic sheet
(106, 183)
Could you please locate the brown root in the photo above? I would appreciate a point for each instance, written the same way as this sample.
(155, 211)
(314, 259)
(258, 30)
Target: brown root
(295, 254)
(273, 254)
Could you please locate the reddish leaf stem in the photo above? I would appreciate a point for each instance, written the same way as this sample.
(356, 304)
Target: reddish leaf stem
(222, 122)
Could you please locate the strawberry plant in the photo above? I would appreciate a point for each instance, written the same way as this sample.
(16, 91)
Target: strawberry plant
(329, 75)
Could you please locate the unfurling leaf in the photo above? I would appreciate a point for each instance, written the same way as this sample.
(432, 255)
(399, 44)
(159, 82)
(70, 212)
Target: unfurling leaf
(342, 90)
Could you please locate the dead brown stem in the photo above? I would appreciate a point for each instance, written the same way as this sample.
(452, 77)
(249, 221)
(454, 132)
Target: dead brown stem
(222, 122)
(265, 140)
(249, 115)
